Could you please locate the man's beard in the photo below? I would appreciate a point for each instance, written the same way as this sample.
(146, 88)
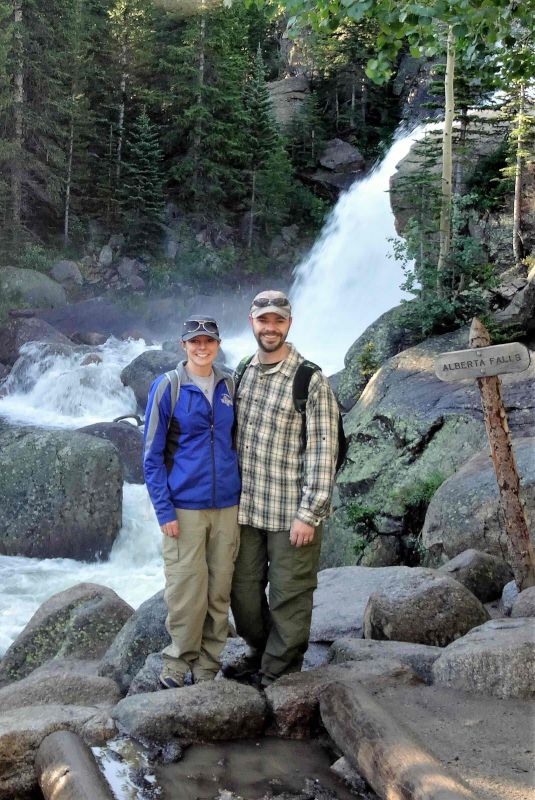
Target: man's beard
(270, 348)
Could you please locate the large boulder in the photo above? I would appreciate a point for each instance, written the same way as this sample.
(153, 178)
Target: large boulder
(60, 689)
(524, 605)
(129, 443)
(78, 623)
(381, 340)
(428, 609)
(464, 511)
(67, 272)
(521, 310)
(60, 494)
(141, 372)
(211, 711)
(35, 289)
(23, 729)
(288, 96)
(411, 430)
(21, 330)
(482, 574)
(497, 658)
(143, 634)
(419, 657)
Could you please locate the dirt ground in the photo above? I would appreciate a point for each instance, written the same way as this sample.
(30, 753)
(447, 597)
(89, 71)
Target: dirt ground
(489, 742)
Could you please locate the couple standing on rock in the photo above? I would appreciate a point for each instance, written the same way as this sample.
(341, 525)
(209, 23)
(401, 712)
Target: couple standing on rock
(240, 486)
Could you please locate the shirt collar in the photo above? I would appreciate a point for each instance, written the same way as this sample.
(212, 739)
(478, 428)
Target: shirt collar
(287, 366)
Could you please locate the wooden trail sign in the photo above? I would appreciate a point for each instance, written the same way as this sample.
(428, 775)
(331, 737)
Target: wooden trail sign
(512, 358)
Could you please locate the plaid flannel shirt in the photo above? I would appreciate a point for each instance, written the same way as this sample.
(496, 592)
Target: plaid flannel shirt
(281, 478)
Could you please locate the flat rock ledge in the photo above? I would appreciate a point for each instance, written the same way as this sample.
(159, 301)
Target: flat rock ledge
(497, 658)
(293, 701)
(214, 711)
(23, 729)
(419, 657)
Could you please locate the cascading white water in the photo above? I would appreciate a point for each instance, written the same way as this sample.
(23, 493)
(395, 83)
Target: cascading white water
(350, 276)
(346, 282)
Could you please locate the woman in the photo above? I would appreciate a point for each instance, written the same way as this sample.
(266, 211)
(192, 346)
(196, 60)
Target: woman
(191, 471)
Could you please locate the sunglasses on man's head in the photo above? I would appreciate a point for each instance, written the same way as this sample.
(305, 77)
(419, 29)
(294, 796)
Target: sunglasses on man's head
(194, 325)
(262, 302)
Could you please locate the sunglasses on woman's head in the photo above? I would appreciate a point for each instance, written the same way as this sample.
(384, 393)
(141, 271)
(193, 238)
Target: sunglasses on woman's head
(194, 325)
(262, 302)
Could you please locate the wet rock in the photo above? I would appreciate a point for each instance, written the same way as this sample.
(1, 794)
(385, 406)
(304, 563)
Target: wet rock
(143, 370)
(23, 729)
(144, 633)
(464, 513)
(524, 605)
(214, 711)
(91, 358)
(89, 337)
(35, 288)
(293, 700)
(66, 271)
(349, 775)
(59, 689)
(481, 573)
(19, 331)
(425, 608)
(129, 443)
(78, 623)
(60, 494)
(497, 658)
(4, 371)
(419, 657)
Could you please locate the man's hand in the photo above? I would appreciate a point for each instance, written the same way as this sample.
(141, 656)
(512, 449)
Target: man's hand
(171, 529)
(301, 533)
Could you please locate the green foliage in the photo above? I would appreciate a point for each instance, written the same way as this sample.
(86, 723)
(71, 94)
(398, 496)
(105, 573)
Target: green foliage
(362, 519)
(141, 192)
(486, 183)
(35, 256)
(367, 361)
(419, 493)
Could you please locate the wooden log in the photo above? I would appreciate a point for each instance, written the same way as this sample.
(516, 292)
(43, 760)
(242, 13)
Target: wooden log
(520, 548)
(384, 751)
(67, 770)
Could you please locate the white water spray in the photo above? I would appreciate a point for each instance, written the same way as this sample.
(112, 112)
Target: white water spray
(350, 276)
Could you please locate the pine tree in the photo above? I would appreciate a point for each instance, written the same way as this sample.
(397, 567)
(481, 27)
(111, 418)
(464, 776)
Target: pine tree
(141, 194)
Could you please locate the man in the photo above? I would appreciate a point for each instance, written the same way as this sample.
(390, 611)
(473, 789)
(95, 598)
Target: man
(286, 493)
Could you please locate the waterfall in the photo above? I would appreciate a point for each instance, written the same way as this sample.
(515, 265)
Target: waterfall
(350, 276)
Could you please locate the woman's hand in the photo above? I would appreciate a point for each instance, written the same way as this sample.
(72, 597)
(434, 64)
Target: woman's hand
(171, 529)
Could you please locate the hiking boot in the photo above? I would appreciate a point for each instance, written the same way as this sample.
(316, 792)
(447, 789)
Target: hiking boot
(171, 679)
(203, 676)
(244, 671)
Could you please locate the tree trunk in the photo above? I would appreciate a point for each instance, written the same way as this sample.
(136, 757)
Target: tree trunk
(120, 121)
(518, 246)
(353, 101)
(447, 161)
(383, 750)
(521, 555)
(197, 138)
(252, 212)
(69, 177)
(18, 111)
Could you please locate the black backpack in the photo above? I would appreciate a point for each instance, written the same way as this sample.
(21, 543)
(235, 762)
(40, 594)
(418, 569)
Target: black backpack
(300, 387)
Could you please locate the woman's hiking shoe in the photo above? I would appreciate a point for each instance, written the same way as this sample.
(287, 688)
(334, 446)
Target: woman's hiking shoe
(171, 679)
(246, 670)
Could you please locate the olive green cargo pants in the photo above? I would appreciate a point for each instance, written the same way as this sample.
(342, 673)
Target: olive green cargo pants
(278, 633)
(198, 575)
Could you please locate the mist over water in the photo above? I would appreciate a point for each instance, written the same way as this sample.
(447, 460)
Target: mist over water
(344, 284)
(350, 276)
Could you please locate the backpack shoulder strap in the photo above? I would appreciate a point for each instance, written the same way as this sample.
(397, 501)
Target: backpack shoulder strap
(301, 384)
(230, 384)
(239, 371)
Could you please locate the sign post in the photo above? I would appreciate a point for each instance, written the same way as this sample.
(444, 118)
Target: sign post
(485, 363)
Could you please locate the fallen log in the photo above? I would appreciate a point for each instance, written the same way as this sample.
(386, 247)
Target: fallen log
(67, 770)
(383, 750)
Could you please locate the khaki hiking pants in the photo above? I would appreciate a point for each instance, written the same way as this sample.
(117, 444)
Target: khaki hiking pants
(198, 575)
(278, 633)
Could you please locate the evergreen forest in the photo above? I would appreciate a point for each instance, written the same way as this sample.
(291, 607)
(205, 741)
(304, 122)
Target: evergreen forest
(119, 116)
